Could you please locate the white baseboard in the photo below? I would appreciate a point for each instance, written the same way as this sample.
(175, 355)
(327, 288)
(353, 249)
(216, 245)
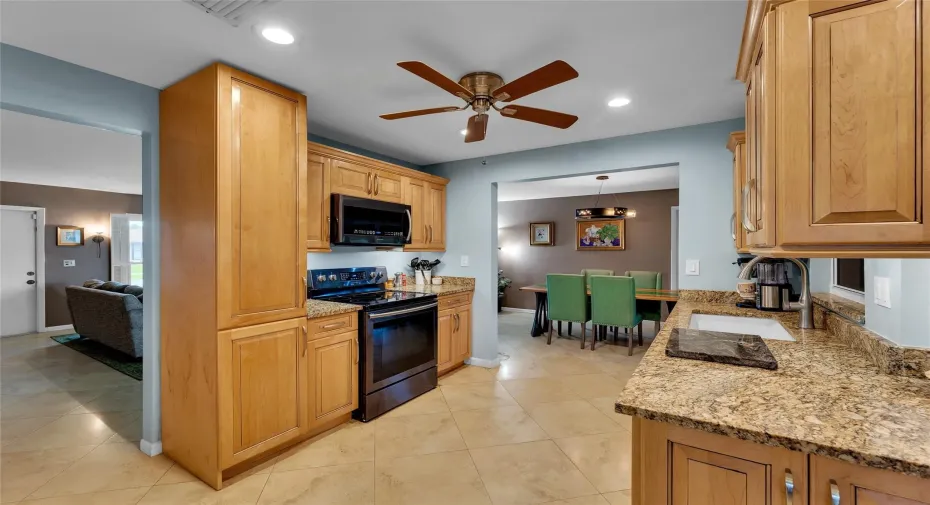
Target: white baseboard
(485, 363)
(152, 449)
(59, 328)
(515, 309)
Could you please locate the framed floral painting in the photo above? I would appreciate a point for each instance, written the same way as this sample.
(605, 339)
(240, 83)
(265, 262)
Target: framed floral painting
(600, 235)
(542, 233)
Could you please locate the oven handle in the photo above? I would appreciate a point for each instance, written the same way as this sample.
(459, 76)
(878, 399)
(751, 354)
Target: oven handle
(419, 308)
(410, 224)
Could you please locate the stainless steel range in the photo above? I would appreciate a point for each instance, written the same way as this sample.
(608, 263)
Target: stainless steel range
(397, 332)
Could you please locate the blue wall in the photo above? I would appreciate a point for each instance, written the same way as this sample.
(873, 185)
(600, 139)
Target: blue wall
(705, 201)
(36, 84)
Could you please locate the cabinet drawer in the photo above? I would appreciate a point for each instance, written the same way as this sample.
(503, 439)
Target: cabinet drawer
(449, 301)
(325, 326)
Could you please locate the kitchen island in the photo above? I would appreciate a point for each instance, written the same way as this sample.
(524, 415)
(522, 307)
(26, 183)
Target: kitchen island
(826, 422)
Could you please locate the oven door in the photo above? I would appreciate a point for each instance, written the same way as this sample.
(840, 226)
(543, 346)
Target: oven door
(399, 343)
(366, 222)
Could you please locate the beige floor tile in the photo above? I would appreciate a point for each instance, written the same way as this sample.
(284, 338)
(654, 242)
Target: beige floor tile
(43, 405)
(515, 368)
(448, 478)
(607, 406)
(619, 498)
(11, 429)
(567, 365)
(118, 497)
(72, 431)
(413, 435)
(351, 484)
(534, 472)
(21, 473)
(428, 403)
(500, 426)
(485, 395)
(529, 392)
(467, 375)
(594, 499)
(572, 418)
(244, 492)
(128, 433)
(605, 459)
(108, 467)
(175, 475)
(593, 385)
(116, 400)
(350, 443)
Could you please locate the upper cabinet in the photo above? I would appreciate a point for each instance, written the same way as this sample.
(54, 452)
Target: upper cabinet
(835, 128)
(737, 145)
(333, 171)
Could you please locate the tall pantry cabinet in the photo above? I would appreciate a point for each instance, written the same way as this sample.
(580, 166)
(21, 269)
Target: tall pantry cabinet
(233, 243)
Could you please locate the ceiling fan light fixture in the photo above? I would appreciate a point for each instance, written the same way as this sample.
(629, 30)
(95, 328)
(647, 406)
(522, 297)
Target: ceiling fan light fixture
(278, 35)
(464, 131)
(618, 102)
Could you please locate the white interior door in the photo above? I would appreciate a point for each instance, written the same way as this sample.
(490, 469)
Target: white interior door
(17, 272)
(126, 248)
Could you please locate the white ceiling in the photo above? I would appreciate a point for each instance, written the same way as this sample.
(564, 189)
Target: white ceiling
(674, 59)
(36, 150)
(619, 182)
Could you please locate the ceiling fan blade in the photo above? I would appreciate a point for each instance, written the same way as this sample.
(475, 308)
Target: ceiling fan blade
(420, 112)
(426, 72)
(554, 73)
(477, 128)
(541, 116)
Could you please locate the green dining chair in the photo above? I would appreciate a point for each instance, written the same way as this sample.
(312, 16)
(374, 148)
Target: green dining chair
(650, 309)
(589, 272)
(567, 301)
(613, 303)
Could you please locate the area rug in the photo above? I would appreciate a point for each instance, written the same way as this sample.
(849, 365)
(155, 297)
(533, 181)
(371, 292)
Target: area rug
(109, 357)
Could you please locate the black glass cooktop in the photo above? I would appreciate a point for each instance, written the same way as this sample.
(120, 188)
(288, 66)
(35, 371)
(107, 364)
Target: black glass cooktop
(376, 299)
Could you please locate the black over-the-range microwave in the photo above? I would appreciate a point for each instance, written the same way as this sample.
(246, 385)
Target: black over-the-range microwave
(366, 222)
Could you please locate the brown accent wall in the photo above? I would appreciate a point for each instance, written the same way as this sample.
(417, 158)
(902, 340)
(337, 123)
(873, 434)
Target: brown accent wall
(75, 207)
(648, 240)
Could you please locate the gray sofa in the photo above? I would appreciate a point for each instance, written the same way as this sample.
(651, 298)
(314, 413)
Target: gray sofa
(109, 313)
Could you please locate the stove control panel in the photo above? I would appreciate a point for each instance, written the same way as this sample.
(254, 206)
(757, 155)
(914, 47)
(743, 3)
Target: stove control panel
(333, 278)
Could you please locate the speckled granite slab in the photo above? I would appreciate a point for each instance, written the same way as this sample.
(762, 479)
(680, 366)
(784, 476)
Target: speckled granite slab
(449, 286)
(849, 309)
(825, 398)
(323, 308)
(720, 347)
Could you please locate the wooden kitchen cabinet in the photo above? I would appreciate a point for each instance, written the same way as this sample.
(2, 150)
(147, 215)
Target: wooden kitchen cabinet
(859, 485)
(842, 128)
(263, 388)
(350, 179)
(461, 335)
(737, 146)
(453, 344)
(318, 203)
(333, 370)
(427, 202)
(444, 344)
(701, 477)
(387, 186)
(436, 197)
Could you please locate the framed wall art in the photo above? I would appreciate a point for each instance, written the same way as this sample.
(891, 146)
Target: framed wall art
(600, 235)
(70, 236)
(542, 233)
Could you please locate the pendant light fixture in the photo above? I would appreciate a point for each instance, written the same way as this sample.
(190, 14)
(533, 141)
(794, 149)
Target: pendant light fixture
(596, 212)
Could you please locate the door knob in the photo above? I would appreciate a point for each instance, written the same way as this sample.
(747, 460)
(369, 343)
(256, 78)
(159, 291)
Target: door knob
(30, 274)
(30, 281)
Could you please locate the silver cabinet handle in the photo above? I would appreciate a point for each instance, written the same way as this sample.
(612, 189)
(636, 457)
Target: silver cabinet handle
(409, 230)
(368, 189)
(747, 223)
(733, 226)
(789, 487)
(303, 284)
(356, 349)
(306, 341)
(834, 493)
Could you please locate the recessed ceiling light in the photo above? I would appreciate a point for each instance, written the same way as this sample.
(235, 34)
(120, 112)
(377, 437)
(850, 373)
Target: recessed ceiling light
(618, 102)
(464, 132)
(278, 36)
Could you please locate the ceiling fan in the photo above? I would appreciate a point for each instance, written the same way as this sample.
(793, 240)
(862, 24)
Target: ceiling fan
(482, 90)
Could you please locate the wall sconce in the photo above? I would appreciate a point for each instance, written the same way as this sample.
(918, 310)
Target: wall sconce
(98, 238)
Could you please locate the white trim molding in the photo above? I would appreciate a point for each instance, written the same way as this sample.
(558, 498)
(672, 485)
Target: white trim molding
(150, 448)
(40, 261)
(484, 363)
(516, 309)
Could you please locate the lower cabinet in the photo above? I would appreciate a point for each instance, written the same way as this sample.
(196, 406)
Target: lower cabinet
(701, 477)
(263, 381)
(834, 481)
(453, 344)
(333, 375)
(444, 340)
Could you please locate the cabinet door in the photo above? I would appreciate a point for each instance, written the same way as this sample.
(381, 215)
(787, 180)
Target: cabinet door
(445, 345)
(701, 477)
(386, 186)
(420, 212)
(261, 202)
(436, 195)
(318, 203)
(462, 337)
(350, 179)
(861, 485)
(853, 164)
(737, 145)
(333, 376)
(760, 170)
(263, 393)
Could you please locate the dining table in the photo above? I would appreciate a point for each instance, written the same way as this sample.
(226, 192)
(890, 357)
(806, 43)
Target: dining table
(541, 315)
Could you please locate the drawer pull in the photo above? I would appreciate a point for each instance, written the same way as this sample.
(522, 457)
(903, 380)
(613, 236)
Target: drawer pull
(329, 326)
(789, 487)
(306, 341)
(834, 493)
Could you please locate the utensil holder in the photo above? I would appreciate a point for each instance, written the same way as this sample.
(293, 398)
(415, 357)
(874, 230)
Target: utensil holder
(419, 278)
(427, 277)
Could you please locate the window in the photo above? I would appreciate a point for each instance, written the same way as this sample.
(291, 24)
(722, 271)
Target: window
(849, 274)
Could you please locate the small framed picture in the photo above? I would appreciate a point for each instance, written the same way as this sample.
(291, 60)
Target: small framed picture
(70, 236)
(542, 233)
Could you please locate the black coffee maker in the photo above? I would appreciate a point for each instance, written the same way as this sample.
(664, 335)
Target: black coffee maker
(773, 291)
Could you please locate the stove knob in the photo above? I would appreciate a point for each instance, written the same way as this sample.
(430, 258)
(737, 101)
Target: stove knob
(333, 277)
(321, 278)
(372, 274)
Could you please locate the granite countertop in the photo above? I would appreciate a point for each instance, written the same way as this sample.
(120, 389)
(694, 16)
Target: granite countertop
(450, 286)
(323, 308)
(854, 311)
(825, 397)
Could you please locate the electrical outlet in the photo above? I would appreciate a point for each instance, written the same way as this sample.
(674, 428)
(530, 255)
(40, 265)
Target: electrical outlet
(692, 267)
(68, 263)
(464, 261)
(882, 288)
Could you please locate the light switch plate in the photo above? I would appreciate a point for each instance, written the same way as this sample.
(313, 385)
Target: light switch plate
(464, 261)
(692, 267)
(68, 263)
(882, 288)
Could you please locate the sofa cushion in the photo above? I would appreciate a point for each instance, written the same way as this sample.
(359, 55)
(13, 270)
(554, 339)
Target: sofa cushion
(113, 286)
(93, 283)
(133, 290)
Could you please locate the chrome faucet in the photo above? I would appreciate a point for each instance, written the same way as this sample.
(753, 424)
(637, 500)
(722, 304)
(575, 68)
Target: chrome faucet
(804, 305)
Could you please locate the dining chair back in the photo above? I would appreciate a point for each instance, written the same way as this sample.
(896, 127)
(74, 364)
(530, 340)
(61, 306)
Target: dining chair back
(650, 309)
(613, 303)
(567, 301)
(590, 272)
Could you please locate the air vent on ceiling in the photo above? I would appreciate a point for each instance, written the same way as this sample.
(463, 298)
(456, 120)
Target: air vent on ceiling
(233, 12)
